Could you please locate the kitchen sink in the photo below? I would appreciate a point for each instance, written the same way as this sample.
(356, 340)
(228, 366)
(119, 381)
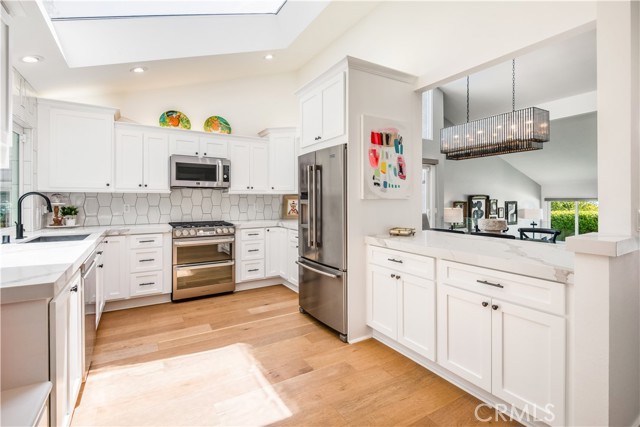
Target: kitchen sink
(62, 238)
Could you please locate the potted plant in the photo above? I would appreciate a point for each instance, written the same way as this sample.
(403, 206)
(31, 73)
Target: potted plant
(69, 213)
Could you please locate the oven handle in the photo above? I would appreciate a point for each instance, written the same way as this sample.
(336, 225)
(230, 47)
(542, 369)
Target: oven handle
(199, 242)
(201, 266)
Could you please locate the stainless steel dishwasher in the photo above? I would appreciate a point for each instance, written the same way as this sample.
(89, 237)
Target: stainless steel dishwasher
(89, 283)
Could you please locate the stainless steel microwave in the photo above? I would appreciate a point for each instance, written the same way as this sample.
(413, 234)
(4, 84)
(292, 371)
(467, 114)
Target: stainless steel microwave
(199, 172)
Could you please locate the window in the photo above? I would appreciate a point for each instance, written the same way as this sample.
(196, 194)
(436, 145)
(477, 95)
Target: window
(573, 217)
(9, 177)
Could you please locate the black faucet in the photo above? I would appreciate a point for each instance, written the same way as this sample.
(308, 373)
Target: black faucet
(19, 226)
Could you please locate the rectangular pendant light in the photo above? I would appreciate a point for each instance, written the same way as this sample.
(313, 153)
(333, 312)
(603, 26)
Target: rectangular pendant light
(512, 132)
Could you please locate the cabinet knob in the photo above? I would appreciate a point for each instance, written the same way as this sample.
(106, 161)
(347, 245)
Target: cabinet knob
(397, 276)
(100, 265)
(484, 303)
(99, 252)
(196, 153)
(107, 184)
(139, 185)
(145, 185)
(495, 307)
(393, 276)
(204, 154)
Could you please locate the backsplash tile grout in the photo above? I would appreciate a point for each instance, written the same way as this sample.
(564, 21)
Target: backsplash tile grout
(184, 204)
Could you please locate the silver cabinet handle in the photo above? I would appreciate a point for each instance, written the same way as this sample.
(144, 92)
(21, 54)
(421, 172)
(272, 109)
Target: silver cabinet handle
(147, 283)
(399, 261)
(147, 260)
(253, 234)
(147, 241)
(253, 250)
(484, 282)
(199, 242)
(324, 273)
(253, 269)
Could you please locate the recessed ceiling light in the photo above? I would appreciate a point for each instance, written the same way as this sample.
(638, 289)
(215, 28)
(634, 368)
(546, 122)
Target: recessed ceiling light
(268, 57)
(138, 69)
(32, 59)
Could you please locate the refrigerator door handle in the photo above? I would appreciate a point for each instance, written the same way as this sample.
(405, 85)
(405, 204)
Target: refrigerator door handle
(313, 231)
(324, 273)
(310, 174)
(317, 226)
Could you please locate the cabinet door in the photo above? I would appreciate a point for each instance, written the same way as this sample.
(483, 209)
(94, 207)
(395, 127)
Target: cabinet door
(283, 164)
(464, 334)
(59, 357)
(292, 257)
(114, 271)
(417, 309)
(382, 305)
(311, 119)
(214, 147)
(274, 240)
(75, 343)
(333, 108)
(129, 155)
(156, 162)
(259, 167)
(240, 157)
(187, 145)
(529, 360)
(79, 152)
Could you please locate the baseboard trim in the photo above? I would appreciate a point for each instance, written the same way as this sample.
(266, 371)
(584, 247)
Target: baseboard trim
(263, 283)
(136, 302)
(359, 339)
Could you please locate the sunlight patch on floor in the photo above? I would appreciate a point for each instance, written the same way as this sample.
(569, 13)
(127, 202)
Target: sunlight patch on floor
(222, 387)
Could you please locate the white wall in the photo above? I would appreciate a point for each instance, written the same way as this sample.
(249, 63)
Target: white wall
(249, 104)
(436, 40)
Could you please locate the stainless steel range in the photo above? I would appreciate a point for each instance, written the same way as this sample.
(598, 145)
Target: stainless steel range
(203, 260)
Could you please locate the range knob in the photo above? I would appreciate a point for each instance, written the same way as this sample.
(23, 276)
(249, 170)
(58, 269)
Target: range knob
(225, 230)
(232, 230)
(192, 232)
(219, 230)
(178, 233)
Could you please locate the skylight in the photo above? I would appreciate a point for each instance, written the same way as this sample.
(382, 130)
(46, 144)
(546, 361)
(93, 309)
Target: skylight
(59, 10)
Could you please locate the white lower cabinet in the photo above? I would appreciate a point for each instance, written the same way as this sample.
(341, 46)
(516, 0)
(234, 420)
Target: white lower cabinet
(401, 305)
(516, 353)
(291, 273)
(276, 249)
(66, 350)
(146, 264)
(114, 270)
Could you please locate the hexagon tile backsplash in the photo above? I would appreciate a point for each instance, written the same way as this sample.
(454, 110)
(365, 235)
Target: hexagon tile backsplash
(185, 204)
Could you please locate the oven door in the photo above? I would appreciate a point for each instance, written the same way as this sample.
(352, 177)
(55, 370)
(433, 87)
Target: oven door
(202, 250)
(196, 280)
(192, 171)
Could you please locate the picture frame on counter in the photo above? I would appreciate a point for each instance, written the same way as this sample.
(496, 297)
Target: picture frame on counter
(501, 212)
(478, 208)
(462, 205)
(290, 206)
(493, 207)
(511, 212)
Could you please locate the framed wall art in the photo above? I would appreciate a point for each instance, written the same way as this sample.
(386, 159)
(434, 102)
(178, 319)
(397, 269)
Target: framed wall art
(511, 212)
(493, 207)
(478, 208)
(463, 206)
(290, 206)
(385, 167)
(500, 212)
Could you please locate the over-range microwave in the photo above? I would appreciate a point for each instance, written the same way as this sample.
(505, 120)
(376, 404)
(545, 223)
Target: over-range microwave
(199, 172)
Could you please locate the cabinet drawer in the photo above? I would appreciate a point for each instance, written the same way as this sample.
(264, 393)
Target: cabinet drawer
(252, 250)
(146, 283)
(293, 236)
(252, 234)
(417, 265)
(527, 291)
(146, 260)
(145, 241)
(252, 270)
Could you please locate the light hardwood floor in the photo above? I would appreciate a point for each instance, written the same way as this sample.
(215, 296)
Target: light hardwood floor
(251, 358)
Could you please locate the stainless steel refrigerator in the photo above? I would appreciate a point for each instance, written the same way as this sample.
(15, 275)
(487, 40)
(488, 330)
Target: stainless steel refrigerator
(323, 237)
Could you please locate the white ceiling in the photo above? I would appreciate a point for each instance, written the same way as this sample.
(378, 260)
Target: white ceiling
(181, 63)
(557, 71)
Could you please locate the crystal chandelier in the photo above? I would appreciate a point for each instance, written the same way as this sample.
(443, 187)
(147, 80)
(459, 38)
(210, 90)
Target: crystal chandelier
(516, 131)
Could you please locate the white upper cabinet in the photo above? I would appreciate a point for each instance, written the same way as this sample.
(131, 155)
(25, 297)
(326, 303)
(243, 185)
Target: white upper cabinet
(283, 160)
(75, 147)
(142, 160)
(249, 167)
(322, 112)
(197, 145)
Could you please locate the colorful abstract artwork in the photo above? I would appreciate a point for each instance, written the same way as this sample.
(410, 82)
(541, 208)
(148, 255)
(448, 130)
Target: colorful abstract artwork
(385, 173)
(174, 119)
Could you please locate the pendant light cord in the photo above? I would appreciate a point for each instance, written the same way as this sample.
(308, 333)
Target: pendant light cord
(513, 86)
(467, 99)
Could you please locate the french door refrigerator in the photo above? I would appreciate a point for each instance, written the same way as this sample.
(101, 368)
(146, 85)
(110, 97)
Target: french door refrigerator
(322, 230)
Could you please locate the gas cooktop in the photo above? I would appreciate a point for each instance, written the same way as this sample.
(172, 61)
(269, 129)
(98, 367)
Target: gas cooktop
(202, 228)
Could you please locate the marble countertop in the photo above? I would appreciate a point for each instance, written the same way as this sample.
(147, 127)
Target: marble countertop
(291, 224)
(535, 259)
(31, 271)
(21, 406)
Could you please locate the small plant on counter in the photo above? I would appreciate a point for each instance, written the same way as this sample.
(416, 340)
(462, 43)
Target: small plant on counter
(68, 211)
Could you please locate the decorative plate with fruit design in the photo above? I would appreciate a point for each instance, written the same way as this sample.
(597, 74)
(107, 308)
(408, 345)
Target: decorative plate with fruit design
(175, 119)
(217, 124)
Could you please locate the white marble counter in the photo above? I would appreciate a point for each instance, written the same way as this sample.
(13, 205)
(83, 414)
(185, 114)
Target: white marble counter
(22, 406)
(291, 224)
(535, 259)
(40, 270)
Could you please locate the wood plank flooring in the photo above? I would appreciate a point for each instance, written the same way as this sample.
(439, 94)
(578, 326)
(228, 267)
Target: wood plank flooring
(251, 358)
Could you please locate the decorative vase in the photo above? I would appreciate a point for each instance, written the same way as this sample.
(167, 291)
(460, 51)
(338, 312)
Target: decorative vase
(70, 220)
